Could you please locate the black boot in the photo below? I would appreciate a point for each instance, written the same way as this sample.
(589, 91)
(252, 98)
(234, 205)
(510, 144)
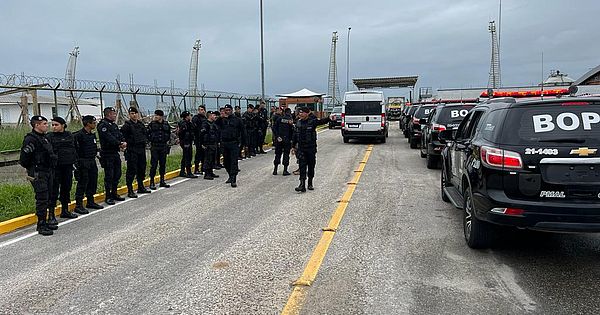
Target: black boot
(213, 174)
(233, 181)
(163, 183)
(208, 176)
(310, 184)
(79, 207)
(275, 169)
(116, 197)
(65, 213)
(302, 186)
(152, 186)
(92, 205)
(197, 169)
(143, 190)
(52, 223)
(130, 193)
(285, 171)
(190, 174)
(43, 229)
(182, 173)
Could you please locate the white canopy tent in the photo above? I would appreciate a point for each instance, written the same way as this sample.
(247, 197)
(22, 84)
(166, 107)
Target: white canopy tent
(302, 93)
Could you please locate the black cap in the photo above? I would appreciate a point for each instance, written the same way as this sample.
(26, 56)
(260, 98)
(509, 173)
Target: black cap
(133, 110)
(228, 106)
(88, 119)
(237, 107)
(185, 114)
(305, 109)
(109, 109)
(59, 120)
(37, 118)
(213, 113)
(159, 112)
(250, 106)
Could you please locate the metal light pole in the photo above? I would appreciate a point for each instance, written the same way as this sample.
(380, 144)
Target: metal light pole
(262, 54)
(348, 62)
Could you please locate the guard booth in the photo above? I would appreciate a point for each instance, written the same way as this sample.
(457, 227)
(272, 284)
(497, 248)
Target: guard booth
(304, 97)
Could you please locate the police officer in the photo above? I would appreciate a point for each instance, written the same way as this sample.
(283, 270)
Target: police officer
(86, 172)
(111, 142)
(232, 134)
(159, 133)
(185, 132)
(37, 156)
(283, 131)
(198, 120)
(237, 111)
(134, 132)
(304, 143)
(251, 126)
(210, 138)
(263, 117)
(63, 145)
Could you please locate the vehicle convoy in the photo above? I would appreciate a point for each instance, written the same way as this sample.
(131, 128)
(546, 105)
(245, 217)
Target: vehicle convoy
(335, 117)
(414, 124)
(364, 116)
(405, 117)
(531, 164)
(442, 117)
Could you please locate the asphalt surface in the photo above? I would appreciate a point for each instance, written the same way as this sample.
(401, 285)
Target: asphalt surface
(204, 247)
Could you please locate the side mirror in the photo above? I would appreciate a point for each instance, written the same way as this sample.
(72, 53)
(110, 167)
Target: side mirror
(446, 135)
(423, 121)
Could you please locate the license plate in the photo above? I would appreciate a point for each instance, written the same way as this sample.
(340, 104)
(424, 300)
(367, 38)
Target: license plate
(353, 125)
(571, 174)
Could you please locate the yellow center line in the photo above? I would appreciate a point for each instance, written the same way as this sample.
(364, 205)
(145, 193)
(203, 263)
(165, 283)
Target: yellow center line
(300, 286)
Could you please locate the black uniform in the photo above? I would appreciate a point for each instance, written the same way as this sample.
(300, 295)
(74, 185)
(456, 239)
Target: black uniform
(110, 139)
(135, 154)
(210, 138)
(38, 157)
(250, 121)
(186, 138)
(197, 121)
(263, 121)
(283, 129)
(63, 144)
(305, 142)
(159, 134)
(87, 170)
(232, 134)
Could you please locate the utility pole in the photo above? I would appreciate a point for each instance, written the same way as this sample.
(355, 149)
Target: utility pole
(262, 54)
(348, 62)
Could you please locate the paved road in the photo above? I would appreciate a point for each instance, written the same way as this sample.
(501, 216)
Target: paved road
(203, 247)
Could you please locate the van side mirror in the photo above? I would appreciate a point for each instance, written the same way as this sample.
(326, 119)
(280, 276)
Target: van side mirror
(423, 121)
(446, 135)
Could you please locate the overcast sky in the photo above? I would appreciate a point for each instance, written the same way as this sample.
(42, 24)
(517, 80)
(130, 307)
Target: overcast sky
(446, 43)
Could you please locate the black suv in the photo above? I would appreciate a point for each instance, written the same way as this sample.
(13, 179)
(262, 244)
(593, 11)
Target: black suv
(414, 124)
(526, 164)
(443, 117)
(406, 118)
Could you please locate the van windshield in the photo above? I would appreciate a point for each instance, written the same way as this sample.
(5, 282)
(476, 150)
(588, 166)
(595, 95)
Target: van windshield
(553, 124)
(363, 108)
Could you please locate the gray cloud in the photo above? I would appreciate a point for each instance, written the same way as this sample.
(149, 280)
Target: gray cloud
(446, 43)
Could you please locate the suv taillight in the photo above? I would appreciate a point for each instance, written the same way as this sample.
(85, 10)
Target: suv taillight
(416, 121)
(382, 120)
(343, 120)
(501, 158)
(437, 127)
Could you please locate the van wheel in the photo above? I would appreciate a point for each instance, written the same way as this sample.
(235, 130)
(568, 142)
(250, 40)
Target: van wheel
(478, 234)
(346, 140)
(443, 184)
(432, 162)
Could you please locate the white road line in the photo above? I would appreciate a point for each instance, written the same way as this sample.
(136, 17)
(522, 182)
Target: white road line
(26, 236)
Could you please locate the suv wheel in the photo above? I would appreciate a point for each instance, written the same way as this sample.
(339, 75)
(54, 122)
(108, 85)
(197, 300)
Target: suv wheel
(432, 162)
(444, 183)
(413, 142)
(383, 139)
(346, 140)
(478, 234)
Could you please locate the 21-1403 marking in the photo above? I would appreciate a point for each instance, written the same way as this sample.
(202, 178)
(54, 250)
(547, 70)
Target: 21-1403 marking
(541, 151)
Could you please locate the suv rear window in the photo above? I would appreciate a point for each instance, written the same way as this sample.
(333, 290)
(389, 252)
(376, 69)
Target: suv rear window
(412, 109)
(423, 111)
(451, 116)
(363, 108)
(552, 123)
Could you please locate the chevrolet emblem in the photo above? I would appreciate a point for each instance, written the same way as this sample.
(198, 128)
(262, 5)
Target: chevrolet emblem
(583, 151)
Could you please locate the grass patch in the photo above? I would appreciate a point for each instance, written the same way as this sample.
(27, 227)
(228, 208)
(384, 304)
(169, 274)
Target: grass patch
(18, 199)
(11, 138)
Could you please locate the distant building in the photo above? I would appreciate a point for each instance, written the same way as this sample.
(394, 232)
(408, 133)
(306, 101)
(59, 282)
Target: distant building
(10, 108)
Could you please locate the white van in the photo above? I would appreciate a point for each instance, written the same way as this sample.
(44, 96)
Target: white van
(364, 115)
